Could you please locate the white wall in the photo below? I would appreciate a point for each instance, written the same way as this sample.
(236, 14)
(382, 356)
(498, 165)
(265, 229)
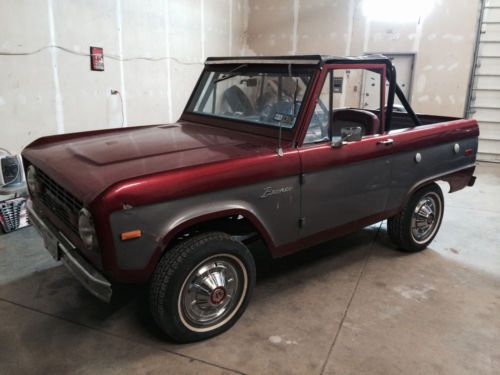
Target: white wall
(442, 40)
(53, 91)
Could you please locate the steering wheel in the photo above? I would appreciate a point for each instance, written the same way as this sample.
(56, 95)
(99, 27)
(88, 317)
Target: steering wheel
(238, 100)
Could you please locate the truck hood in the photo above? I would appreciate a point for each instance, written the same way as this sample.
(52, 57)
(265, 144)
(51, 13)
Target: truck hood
(87, 163)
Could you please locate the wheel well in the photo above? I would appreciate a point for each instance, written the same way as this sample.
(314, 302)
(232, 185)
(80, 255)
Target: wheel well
(439, 182)
(444, 185)
(238, 226)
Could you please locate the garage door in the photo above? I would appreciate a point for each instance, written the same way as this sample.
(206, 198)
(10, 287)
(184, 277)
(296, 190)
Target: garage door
(484, 104)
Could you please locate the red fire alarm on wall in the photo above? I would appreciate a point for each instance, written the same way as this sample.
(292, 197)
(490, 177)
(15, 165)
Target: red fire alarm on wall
(96, 58)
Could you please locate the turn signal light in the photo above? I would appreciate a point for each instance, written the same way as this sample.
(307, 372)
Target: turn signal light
(131, 234)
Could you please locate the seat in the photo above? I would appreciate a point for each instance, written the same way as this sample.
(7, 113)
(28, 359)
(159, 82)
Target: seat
(347, 117)
(238, 101)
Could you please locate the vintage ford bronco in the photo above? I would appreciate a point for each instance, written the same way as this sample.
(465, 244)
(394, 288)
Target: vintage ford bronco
(291, 150)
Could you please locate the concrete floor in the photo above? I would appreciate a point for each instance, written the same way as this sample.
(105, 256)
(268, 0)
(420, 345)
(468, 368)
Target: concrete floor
(349, 306)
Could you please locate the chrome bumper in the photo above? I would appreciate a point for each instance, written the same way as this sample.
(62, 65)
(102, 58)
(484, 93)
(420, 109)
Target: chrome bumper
(62, 249)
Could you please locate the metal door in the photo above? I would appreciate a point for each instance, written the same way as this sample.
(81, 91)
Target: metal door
(341, 186)
(344, 185)
(484, 96)
(404, 69)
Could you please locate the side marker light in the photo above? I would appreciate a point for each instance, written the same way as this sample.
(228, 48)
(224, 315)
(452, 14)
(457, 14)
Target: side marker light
(131, 234)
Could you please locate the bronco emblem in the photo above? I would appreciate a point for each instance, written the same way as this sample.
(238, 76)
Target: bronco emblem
(268, 191)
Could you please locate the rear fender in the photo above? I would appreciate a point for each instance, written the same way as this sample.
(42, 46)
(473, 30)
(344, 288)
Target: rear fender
(457, 180)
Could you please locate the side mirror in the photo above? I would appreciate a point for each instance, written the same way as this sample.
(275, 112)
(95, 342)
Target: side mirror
(349, 134)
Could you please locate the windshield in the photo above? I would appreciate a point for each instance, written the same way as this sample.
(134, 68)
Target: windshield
(252, 94)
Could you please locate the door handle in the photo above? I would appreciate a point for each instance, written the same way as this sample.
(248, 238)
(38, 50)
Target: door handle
(387, 142)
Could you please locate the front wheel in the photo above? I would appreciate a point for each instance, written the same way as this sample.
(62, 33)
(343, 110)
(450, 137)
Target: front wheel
(202, 286)
(414, 228)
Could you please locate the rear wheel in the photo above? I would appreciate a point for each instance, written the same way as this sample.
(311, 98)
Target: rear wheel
(202, 286)
(414, 228)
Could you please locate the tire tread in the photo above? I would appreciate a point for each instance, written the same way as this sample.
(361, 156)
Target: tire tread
(398, 226)
(166, 269)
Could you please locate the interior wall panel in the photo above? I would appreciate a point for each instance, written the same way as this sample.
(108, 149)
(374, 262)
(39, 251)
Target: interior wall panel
(53, 91)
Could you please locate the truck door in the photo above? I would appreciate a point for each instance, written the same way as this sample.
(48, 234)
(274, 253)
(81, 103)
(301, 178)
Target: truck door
(344, 185)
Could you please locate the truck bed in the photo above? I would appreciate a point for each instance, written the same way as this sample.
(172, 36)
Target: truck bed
(403, 120)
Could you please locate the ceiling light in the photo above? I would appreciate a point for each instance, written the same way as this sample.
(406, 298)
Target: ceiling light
(396, 11)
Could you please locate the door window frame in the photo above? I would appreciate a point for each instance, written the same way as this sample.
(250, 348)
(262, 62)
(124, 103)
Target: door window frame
(316, 91)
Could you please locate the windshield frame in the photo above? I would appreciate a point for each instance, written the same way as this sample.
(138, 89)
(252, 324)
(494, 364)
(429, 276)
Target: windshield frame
(245, 125)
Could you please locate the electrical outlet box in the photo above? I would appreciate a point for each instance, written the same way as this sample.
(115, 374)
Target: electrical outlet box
(97, 58)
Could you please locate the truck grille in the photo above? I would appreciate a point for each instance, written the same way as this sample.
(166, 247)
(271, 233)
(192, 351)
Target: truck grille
(64, 205)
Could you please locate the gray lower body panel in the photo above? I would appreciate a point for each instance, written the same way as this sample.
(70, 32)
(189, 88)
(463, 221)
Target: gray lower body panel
(275, 203)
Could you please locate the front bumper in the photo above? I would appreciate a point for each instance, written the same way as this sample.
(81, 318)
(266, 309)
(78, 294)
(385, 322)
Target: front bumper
(62, 249)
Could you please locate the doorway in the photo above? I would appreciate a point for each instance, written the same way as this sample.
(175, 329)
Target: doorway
(404, 63)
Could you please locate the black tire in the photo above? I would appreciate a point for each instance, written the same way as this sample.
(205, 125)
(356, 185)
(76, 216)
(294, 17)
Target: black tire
(172, 285)
(400, 227)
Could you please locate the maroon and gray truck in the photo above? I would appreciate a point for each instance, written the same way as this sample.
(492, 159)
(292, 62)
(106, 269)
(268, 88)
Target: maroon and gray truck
(288, 150)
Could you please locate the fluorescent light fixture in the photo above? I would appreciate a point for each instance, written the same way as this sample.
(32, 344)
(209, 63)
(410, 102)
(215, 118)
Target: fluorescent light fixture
(396, 11)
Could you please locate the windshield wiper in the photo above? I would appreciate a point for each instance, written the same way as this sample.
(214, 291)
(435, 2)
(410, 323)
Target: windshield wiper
(230, 74)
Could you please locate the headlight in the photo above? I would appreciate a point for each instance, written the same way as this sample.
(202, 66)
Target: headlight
(32, 181)
(87, 230)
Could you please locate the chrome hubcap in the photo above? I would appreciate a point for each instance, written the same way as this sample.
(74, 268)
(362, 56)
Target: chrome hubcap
(425, 217)
(212, 291)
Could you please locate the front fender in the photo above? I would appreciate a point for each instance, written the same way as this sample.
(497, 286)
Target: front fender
(274, 215)
(207, 214)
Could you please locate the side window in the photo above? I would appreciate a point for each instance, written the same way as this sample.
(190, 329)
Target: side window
(318, 127)
(355, 101)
